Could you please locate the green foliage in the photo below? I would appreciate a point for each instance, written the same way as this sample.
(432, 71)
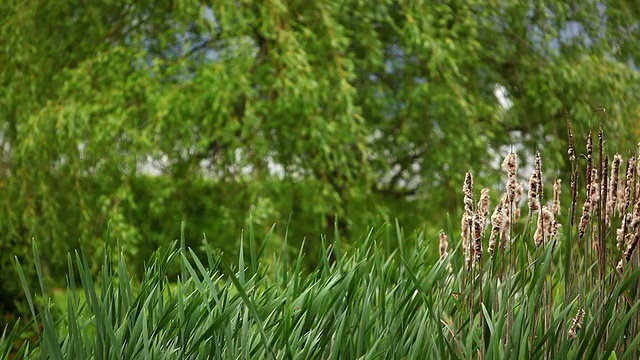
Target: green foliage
(364, 108)
(366, 303)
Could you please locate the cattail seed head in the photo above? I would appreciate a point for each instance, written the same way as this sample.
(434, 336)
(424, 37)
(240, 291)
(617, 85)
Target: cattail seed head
(497, 224)
(510, 166)
(631, 163)
(586, 216)
(632, 243)
(519, 193)
(444, 244)
(589, 160)
(576, 324)
(556, 197)
(543, 229)
(613, 189)
(505, 235)
(593, 189)
(535, 187)
(571, 152)
(467, 218)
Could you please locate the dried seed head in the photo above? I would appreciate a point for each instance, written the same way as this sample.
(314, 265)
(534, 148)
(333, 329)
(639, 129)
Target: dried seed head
(635, 218)
(510, 166)
(518, 198)
(556, 197)
(444, 244)
(632, 243)
(620, 238)
(467, 218)
(535, 187)
(483, 204)
(613, 189)
(477, 241)
(555, 229)
(543, 229)
(467, 190)
(505, 235)
(593, 188)
(497, 224)
(576, 324)
(586, 216)
(589, 160)
(571, 151)
(631, 163)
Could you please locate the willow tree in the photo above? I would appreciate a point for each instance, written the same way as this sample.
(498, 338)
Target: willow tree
(115, 111)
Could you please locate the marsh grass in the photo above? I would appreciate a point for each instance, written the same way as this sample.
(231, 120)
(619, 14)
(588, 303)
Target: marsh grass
(385, 296)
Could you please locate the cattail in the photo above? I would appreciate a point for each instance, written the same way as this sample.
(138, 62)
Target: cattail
(535, 185)
(589, 161)
(556, 197)
(510, 166)
(477, 238)
(604, 190)
(631, 163)
(505, 235)
(480, 221)
(613, 189)
(632, 243)
(483, 205)
(621, 202)
(620, 238)
(593, 189)
(586, 216)
(574, 197)
(444, 244)
(571, 151)
(576, 324)
(497, 224)
(590, 202)
(519, 193)
(543, 230)
(467, 217)
(555, 229)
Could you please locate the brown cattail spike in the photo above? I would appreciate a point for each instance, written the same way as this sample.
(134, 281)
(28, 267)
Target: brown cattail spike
(556, 197)
(480, 222)
(444, 244)
(519, 193)
(467, 218)
(545, 222)
(613, 189)
(589, 161)
(571, 151)
(576, 324)
(535, 185)
(510, 166)
(497, 224)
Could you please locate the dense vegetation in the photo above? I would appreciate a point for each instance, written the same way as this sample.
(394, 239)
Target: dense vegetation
(141, 115)
(520, 288)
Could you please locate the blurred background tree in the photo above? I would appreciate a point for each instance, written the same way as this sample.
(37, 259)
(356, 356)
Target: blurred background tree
(148, 113)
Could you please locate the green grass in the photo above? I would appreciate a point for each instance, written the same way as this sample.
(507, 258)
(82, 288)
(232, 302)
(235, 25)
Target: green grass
(385, 296)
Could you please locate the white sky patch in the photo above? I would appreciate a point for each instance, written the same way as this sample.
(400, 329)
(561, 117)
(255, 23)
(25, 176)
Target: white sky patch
(502, 95)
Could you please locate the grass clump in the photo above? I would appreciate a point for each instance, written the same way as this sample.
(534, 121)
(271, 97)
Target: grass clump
(546, 288)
